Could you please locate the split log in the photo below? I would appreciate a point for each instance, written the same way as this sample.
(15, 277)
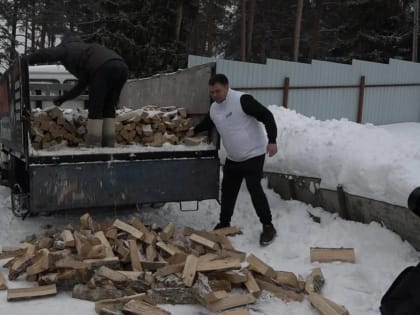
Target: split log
(129, 229)
(286, 295)
(138, 307)
(204, 241)
(172, 296)
(110, 274)
(326, 306)
(114, 306)
(135, 256)
(231, 301)
(315, 281)
(259, 266)
(168, 232)
(3, 282)
(83, 292)
(251, 284)
(190, 269)
(325, 255)
(30, 293)
(219, 265)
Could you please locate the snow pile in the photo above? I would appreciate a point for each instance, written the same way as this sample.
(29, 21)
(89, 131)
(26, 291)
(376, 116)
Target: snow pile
(369, 161)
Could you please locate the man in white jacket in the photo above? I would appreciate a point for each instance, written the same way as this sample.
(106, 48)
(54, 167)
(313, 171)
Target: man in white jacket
(238, 117)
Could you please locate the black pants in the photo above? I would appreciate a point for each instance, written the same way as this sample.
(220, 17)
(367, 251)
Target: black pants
(233, 174)
(105, 89)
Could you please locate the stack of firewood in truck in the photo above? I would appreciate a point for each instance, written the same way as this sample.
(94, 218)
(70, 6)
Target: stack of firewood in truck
(149, 126)
(127, 267)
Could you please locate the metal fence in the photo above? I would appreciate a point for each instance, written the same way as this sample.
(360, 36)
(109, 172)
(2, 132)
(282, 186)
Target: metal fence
(362, 91)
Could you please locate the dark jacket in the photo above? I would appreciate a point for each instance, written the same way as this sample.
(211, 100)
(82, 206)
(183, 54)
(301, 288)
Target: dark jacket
(79, 58)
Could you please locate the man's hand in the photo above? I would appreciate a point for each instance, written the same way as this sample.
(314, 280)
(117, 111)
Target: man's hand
(190, 132)
(58, 102)
(271, 149)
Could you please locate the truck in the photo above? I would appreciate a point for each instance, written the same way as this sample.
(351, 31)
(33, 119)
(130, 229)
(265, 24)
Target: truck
(118, 177)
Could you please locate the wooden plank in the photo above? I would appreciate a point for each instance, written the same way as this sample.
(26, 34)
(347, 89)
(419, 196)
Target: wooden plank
(111, 274)
(135, 256)
(68, 238)
(138, 307)
(29, 293)
(251, 284)
(108, 249)
(129, 229)
(190, 269)
(325, 306)
(286, 295)
(204, 241)
(219, 265)
(231, 301)
(168, 232)
(3, 282)
(259, 266)
(325, 255)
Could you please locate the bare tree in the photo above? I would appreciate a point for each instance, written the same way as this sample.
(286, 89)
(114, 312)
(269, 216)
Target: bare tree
(251, 26)
(243, 30)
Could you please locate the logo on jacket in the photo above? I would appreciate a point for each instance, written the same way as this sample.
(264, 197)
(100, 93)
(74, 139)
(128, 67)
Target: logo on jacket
(228, 115)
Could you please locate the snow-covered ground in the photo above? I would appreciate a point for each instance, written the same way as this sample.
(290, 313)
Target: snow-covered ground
(377, 162)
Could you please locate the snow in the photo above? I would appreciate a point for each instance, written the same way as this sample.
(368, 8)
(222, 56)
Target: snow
(63, 149)
(379, 162)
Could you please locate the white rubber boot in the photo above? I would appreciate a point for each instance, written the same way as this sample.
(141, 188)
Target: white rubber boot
(94, 132)
(108, 132)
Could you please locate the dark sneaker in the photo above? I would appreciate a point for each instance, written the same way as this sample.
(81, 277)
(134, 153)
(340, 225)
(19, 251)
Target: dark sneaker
(267, 235)
(221, 225)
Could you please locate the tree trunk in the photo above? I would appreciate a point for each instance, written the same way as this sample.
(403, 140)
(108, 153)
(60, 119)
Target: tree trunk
(14, 28)
(251, 27)
(243, 30)
(179, 17)
(298, 26)
(314, 47)
(210, 29)
(33, 26)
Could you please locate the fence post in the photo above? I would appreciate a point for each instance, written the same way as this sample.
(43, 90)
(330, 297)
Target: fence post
(362, 86)
(286, 92)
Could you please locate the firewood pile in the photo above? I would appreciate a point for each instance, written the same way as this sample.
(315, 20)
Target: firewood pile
(149, 126)
(130, 268)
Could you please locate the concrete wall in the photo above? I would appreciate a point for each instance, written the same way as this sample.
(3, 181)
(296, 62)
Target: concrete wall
(306, 189)
(185, 88)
